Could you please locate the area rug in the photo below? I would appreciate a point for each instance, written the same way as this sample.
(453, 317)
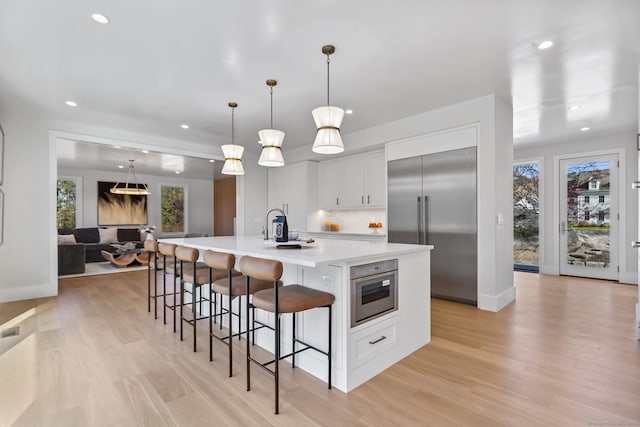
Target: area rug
(95, 268)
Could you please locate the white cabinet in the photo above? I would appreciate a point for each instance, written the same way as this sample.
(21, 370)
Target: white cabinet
(330, 184)
(292, 189)
(353, 182)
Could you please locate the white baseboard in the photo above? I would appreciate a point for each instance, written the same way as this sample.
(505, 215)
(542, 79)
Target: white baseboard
(638, 320)
(28, 292)
(497, 302)
(630, 278)
(549, 269)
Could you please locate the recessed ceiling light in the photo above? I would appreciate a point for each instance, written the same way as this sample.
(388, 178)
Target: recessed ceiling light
(99, 18)
(574, 107)
(584, 129)
(184, 126)
(545, 45)
(212, 161)
(145, 151)
(178, 172)
(116, 146)
(349, 111)
(120, 167)
(71, 104)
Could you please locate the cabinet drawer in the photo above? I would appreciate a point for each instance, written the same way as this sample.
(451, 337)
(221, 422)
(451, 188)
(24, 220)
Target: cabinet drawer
(370, 342)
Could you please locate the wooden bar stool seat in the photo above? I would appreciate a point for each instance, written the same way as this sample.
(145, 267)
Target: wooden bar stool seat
(278, 300)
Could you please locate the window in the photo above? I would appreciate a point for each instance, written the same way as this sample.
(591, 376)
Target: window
(587, 215)
(601, 214)
(173, 209)
(68, 202)
(601, 199)
(526, 211)
(594, 185)
(586, 199)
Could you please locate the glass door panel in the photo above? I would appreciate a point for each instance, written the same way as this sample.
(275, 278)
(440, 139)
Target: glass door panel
(589, 217)
(526, 213)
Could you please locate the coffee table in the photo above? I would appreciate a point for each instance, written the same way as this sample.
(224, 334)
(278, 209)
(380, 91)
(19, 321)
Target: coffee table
(124, 257)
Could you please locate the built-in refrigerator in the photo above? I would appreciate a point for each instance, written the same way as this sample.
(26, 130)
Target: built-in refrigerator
(432, 201)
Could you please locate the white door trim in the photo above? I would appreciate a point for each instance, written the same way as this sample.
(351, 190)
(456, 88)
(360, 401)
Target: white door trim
(622, 204)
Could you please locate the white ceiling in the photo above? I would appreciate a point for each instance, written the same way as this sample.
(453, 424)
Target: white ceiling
(156, 66)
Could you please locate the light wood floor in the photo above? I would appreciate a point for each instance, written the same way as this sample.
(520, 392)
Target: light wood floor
(564, 354)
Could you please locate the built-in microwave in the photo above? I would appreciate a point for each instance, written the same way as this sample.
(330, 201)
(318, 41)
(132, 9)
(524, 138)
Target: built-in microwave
(374, 290)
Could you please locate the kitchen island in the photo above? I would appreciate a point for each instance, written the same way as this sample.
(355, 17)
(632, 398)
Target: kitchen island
(359, 351)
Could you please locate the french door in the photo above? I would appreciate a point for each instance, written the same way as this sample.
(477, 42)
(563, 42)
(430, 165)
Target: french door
(589, 217)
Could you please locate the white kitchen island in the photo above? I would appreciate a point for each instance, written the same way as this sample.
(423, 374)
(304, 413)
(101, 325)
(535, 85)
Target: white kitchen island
(360, 352)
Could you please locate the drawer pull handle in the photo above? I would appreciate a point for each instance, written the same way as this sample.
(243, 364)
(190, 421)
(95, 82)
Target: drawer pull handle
(378, 340)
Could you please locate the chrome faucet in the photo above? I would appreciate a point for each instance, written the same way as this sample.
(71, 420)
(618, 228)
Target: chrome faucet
(266, 222)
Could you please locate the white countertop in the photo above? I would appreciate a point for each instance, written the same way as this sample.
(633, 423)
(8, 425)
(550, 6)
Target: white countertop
(322, 251)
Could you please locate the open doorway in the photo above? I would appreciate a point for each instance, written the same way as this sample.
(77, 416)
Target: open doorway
(224, 206)
(526, 216)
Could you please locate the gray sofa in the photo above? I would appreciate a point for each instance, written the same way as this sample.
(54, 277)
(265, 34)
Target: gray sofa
(89, 239)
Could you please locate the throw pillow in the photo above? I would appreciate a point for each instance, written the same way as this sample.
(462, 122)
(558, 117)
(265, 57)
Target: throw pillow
(108, 235)
(66, 238)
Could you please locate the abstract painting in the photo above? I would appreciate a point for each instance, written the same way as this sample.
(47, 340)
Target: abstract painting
(119, 209)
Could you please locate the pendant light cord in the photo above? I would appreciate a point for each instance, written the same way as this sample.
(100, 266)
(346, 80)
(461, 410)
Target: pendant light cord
(232, 126)
(271, 91)
(328, 80)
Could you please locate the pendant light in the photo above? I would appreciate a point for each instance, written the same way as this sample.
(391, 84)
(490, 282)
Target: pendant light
(328, 120)
(133, 186)
(232, 153)
(271, 139)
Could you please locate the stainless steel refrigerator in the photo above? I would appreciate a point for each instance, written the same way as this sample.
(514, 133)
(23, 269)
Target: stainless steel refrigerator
(432, 201)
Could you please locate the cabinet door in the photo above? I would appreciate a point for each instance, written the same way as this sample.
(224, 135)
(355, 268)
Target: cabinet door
(330, 184)
(277, 186)
(296, 192)
(353, 182)
(376, 195)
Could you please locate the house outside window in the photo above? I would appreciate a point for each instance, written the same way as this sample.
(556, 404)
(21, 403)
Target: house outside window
(586, 199)
(601, 199)
(594, 185)
(173, 209)
(601, 216)
(587, 215)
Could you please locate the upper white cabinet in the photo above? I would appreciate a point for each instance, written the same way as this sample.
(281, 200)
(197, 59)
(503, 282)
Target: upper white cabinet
(292, 188)
(353, 182)
(330, 184)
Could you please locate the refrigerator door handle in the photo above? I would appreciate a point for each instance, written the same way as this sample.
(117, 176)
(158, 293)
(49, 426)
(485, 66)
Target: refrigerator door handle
(425, 219)
(419, 220)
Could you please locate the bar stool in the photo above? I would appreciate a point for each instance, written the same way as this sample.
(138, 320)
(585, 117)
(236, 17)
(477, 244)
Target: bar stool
(288, 299)
(168, 252)
(196, 274)
(151, 247)
(232, 285)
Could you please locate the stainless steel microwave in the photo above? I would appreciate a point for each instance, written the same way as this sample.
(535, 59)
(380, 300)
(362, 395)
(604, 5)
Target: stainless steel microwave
(374, 290)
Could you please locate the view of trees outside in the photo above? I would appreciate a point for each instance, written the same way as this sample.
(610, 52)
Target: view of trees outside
(172, 209)
(588, 214)
(66, 204)
(526, 210)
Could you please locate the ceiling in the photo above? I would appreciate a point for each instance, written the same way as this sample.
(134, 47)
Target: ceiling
(151, 69)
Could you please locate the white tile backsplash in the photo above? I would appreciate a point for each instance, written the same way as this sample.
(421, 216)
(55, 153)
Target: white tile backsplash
(350, 221)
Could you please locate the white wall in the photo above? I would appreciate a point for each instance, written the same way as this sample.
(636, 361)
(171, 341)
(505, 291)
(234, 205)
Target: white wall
(628, 218)
(199, 198)
(251, 193)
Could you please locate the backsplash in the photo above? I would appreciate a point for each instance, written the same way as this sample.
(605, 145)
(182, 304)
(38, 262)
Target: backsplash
(348, 221)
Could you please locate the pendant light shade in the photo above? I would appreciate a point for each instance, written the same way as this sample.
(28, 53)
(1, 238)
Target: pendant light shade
(271, 140)
(328, 120)
(232, 153)
(133, 186)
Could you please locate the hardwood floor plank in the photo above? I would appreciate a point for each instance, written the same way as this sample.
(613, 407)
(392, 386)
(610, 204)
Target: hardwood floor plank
(564, 354)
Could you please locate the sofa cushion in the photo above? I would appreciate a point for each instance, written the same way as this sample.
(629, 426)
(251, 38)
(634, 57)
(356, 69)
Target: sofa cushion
(87, 235)
(108, 235)
(128, 235)
(66, 238)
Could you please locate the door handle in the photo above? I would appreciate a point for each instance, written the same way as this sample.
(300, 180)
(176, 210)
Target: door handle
(368, 200)
(362, 200)
(337, 201)
(635, 185)
(419, 219)
(425, 217)
(635, 245)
